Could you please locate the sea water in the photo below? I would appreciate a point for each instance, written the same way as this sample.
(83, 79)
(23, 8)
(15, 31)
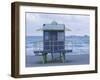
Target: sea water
(78, 44)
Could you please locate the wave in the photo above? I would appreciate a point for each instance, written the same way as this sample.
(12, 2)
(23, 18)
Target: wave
(80, 44)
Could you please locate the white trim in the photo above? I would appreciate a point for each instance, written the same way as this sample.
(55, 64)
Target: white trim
(52, 69)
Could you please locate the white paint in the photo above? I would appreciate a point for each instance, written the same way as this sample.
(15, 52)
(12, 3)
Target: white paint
(49, 69)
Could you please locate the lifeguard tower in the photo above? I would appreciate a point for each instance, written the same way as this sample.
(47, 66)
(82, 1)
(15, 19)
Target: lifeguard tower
(53, 41)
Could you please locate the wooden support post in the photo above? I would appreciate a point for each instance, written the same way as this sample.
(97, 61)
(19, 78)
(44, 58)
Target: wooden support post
(62, 56)
(52, 57)
(44, 57)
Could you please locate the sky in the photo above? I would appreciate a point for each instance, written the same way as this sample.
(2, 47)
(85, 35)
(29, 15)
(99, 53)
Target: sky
(79, 24)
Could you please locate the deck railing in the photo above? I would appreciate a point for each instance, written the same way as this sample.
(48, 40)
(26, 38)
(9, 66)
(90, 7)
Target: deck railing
(77, 48)
(38, 45)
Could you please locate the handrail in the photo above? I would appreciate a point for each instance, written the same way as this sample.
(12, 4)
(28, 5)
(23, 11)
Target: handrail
(38, 45)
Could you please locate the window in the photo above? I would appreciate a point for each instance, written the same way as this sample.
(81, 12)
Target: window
(60, 36)
(46, 35)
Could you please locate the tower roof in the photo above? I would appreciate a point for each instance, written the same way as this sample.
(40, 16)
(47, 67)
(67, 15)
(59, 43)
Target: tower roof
(54, 23)
(54, 26)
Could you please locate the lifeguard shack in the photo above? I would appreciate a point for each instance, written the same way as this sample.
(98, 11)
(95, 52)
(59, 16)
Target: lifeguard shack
(53, 41)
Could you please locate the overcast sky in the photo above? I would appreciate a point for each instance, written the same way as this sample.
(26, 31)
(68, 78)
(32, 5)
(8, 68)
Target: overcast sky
(79, 24)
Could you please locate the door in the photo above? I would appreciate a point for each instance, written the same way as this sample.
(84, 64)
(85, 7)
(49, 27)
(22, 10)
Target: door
(53, 41)
(61, 40)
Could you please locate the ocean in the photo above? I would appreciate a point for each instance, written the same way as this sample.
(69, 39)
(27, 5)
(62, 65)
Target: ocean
(78, 44)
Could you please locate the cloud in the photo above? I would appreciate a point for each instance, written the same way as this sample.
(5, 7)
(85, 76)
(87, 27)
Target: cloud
(79, 24)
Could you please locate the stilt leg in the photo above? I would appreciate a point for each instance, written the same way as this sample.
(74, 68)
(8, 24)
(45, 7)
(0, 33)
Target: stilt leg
(44, 57)
(60, 57)
(52, 57)
(63, 57)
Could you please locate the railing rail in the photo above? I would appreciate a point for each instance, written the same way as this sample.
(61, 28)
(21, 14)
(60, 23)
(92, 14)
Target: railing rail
(38, 45)
(69, 45)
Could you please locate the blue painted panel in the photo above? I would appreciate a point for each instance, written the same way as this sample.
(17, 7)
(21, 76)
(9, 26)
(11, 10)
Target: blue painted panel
(52, 41)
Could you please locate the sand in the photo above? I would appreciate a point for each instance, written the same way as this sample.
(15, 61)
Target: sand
(79, 59)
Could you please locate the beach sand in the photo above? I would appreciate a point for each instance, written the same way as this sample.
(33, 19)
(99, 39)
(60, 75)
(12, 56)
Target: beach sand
(79, 59)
